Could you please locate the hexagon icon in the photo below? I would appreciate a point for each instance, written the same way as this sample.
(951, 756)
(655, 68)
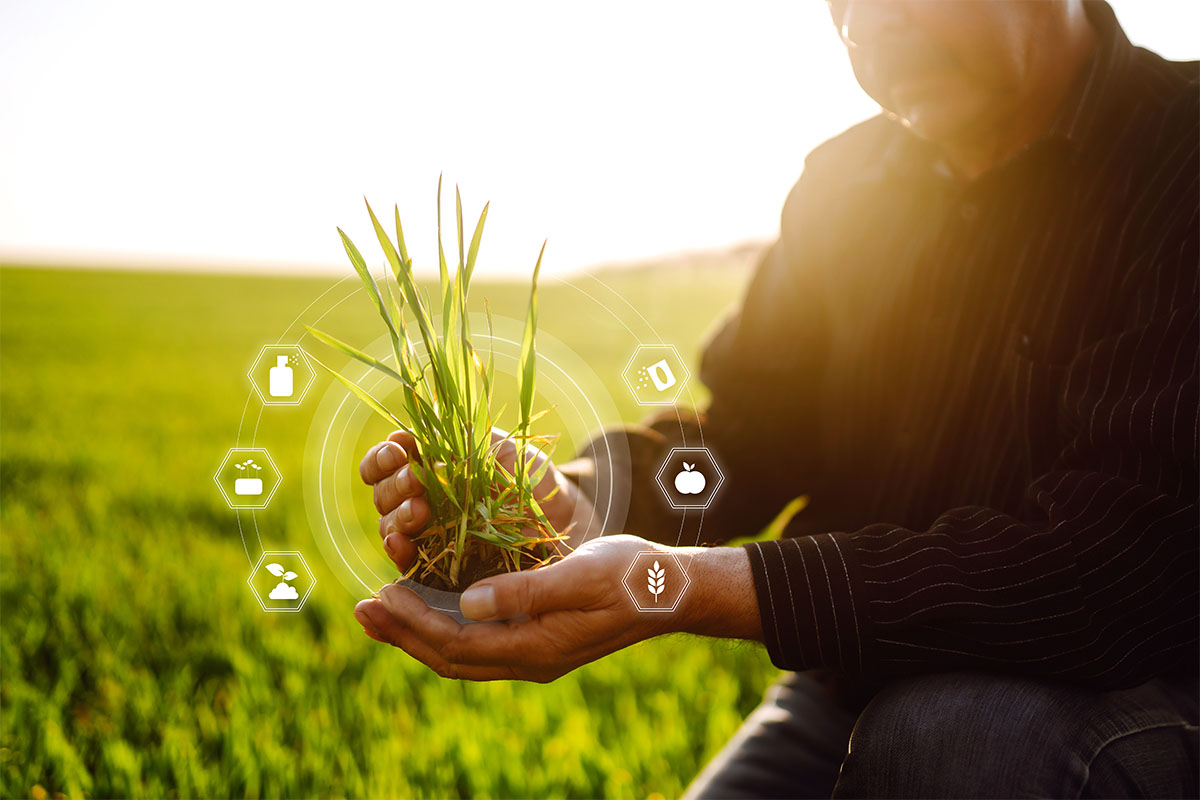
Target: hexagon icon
(656, 374)
(248, 477)
(281, 580)
(689, 477)
(655, 581)
(281, 375)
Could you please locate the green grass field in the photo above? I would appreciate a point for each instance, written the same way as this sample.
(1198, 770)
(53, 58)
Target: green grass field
(135, 662)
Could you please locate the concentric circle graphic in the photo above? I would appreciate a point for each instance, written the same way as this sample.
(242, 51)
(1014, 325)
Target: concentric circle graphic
(338, 507)
(332, 489)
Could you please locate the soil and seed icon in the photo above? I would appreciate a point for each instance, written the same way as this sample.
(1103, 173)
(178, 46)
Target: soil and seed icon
(657, 580)
(282, 590)
(281, 580)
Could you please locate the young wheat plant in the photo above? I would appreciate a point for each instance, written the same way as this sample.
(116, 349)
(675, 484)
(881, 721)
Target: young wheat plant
(485, 518)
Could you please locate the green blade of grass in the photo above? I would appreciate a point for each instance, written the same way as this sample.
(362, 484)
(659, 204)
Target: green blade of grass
(461, 287)
(367, 278)
(458, 220)
(400, 236)
(438, 386)
(473, 252)
(389, 251)
(406, 359)
(370, 361)
(445, 377)
(527, 368)
(419, 409)
(497, 538)
(447, 394)
(443, 272)
(364, 396)
(528, 356)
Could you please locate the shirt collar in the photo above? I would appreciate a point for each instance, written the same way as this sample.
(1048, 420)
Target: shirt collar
(1096, 87)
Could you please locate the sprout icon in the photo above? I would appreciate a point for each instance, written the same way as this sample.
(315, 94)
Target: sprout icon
(282, 590)
(248, 486)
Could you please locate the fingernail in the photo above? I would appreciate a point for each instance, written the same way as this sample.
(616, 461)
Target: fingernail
(388, 596)
(405, 513)
(386, 458)
(478, 602)
(389, 543)
(402, 481)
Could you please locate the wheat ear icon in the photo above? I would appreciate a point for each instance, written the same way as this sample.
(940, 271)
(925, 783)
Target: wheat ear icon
(657, 579)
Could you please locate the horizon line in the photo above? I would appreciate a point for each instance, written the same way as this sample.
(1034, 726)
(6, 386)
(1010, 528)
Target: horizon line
(140, 262)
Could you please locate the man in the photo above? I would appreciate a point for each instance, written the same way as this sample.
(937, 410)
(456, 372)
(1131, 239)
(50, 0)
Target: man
(974, 344)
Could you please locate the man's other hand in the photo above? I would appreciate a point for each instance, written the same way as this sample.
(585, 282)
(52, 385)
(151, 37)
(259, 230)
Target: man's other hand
(400, 497)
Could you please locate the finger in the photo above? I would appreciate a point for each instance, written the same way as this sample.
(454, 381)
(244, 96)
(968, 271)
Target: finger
(504, 449)
(516, 647)
(391, 617)
(401, 550)
(407, 609)
(394, 489)
(408, 442)
(573, 583)
(382, 460)
(378, 620)
(408, 517)
(381, 627)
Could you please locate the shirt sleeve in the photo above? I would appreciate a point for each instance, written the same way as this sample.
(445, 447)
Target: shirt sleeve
(1098, 582)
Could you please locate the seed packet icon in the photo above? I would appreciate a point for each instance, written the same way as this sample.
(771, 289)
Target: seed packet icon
(655, 374)
(661, 375)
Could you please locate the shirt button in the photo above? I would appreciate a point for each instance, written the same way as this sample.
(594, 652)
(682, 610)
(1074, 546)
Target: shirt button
(968, 211)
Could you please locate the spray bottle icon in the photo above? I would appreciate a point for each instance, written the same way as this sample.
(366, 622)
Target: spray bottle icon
(281, 378)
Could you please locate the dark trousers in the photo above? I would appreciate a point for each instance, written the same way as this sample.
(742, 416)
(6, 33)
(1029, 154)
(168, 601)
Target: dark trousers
(962, 734)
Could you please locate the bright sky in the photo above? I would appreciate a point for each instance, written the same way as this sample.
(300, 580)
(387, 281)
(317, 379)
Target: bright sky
(242, 133)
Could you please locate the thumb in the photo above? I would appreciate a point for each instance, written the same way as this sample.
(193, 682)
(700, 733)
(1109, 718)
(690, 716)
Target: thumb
(562, 585)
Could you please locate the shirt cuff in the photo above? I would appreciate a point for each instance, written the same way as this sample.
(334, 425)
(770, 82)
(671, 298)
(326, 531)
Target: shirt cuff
(812, 604)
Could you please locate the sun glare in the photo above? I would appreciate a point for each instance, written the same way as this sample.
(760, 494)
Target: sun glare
(158, 134)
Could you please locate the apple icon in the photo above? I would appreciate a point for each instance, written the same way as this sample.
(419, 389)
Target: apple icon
(689, 482)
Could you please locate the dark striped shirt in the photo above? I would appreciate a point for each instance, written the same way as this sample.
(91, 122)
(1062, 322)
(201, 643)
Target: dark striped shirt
(988, 389)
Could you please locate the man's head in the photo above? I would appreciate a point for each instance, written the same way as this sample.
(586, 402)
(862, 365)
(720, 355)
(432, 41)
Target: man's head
(957, 69)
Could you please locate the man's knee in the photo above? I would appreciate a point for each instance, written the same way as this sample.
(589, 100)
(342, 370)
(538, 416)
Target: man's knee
(976, 734)
(1152, 761)
(962, 735)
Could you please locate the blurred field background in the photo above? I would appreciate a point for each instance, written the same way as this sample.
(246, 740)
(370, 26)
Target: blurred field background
(135, 662)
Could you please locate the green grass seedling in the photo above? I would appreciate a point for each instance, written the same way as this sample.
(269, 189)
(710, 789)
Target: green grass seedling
(485, 518)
